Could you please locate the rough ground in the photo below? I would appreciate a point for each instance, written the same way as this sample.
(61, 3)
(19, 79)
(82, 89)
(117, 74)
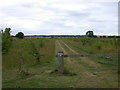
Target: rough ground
(88, 72)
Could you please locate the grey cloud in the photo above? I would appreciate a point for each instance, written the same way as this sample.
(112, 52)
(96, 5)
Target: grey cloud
(101, 18)
(27, 5)
(80, 14)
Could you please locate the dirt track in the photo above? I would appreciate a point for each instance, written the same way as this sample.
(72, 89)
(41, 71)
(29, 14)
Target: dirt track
(73, 61)
(69, 48)
(84, 59)
(68, 59)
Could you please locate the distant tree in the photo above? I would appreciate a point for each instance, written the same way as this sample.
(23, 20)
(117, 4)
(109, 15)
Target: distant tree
(94, 36)
(104, 36)
(109, 36)
(52, 36)
(20, 35)
(6, 40)
(89, 33)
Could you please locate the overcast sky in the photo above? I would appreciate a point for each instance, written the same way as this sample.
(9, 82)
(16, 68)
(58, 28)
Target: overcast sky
(66, 17)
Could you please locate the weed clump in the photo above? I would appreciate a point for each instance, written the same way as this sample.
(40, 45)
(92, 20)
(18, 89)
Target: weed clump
(98, 45)
(54, 71)
(24, 74)
(68, 73)
(65, 72)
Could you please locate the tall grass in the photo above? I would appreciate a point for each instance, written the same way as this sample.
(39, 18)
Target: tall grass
(95, 45)
(29, 49)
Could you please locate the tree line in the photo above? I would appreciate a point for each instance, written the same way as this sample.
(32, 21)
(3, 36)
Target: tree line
(7, 39)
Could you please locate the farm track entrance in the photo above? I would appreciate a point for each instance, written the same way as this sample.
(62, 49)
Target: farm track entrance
(82, 60)
(77, 62)
(85, 60)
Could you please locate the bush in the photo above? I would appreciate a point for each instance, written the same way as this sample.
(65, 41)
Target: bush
(6, 40)
(89, 34)
(20, 35)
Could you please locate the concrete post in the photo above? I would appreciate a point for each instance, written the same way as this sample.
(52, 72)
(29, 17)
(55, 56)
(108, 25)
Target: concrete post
(60, 56)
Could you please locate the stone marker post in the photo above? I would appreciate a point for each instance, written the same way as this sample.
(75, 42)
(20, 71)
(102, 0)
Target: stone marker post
(20, 64)
(60, 56)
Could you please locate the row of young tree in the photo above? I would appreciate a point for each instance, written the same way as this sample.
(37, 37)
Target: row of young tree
(7, 39)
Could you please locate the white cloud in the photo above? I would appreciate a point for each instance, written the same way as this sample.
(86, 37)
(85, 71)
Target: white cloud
(69, 6)
(70, 23)
(23, 23)
(59, 16)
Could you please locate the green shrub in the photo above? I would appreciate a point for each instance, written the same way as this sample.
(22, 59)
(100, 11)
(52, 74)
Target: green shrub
(20, 35)
(6, 40)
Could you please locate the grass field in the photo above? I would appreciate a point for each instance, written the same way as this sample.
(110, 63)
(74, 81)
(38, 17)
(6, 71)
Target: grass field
(26, 48)
(80, 72)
